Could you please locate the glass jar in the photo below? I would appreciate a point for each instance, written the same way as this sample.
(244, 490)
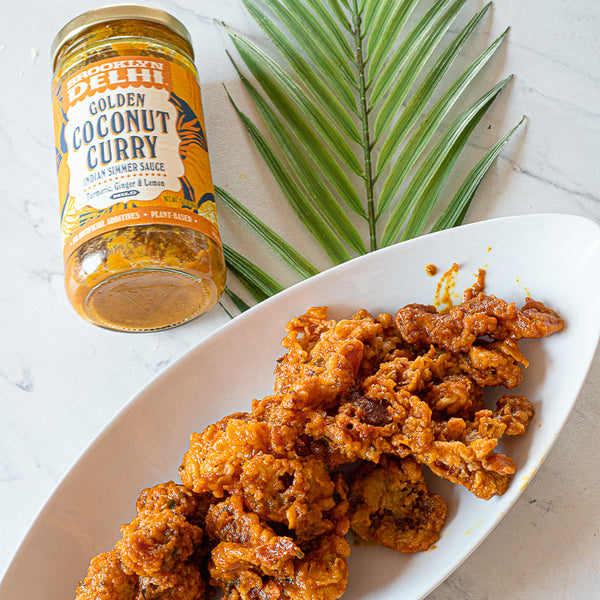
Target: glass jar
(141, 242)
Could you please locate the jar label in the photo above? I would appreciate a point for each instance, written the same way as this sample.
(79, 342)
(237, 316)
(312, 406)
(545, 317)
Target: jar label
(131, 149)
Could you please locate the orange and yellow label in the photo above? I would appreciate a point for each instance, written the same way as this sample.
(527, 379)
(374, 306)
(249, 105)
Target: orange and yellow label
(131, 149)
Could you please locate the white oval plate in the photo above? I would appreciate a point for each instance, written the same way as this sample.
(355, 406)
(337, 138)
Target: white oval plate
(553, 258)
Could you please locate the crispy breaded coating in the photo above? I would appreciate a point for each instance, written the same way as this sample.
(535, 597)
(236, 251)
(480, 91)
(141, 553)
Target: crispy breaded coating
(475, 466)
(216, 455)
(384, 346)
(498, 363)
(155, 556)
(454, 395)
(323, 572)
(318, 374)
(463, 450)
(298, 493)
(252, 561)
(248, 552)
(391, 505)
(155, 542)
(417, 403)
(365, 428)
(178, 498)
(107, 580)
(162, 534)
(183, 582)
(457, 329)
(359, 407)
(515, 412)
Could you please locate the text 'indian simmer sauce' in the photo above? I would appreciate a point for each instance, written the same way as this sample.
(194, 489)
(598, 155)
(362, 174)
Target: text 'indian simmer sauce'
(141, 240)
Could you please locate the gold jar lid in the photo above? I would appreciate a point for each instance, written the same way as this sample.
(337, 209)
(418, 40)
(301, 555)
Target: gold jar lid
(105, 14)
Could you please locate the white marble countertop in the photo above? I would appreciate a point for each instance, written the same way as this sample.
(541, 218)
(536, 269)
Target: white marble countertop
(62, 380)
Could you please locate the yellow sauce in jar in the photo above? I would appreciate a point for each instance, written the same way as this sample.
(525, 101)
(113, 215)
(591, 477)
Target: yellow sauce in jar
(141, 241)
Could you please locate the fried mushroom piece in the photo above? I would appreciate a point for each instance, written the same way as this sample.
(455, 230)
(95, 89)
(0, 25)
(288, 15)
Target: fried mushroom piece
(183, 582)
(298, 493)
(496, 363)
(511, 417)
(365, 428)
(155, 556)
(106, 580)
(515, 412)
(319, 374)
(162, 534)
(155, 542)
(380, 416)
(457, 329)
(475, 466)
(250, 561)
(323, 572)
(214, 460)
(384, 346)
(391, 505)
(175, 497)
(248, 552)
(455, 395)
(463, 450)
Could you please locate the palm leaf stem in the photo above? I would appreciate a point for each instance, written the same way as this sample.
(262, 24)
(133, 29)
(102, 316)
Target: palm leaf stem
(366, 143)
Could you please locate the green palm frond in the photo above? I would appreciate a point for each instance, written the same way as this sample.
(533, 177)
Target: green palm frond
(353, 123)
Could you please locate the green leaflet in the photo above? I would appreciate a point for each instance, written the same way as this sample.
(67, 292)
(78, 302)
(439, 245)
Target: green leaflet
(257, 282)
(297, 198)
(437, 168)
(455, 212)
(337, 28)
(393, 68)
(426, 129)
(305, 171)
(427, 170)
(338, 111)
(304, 130)
(288, 253)
(327, 63)
(271, 76)
(414, 109)
(380, 46)
(240, 304)
(412, 69)
(347, 131)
